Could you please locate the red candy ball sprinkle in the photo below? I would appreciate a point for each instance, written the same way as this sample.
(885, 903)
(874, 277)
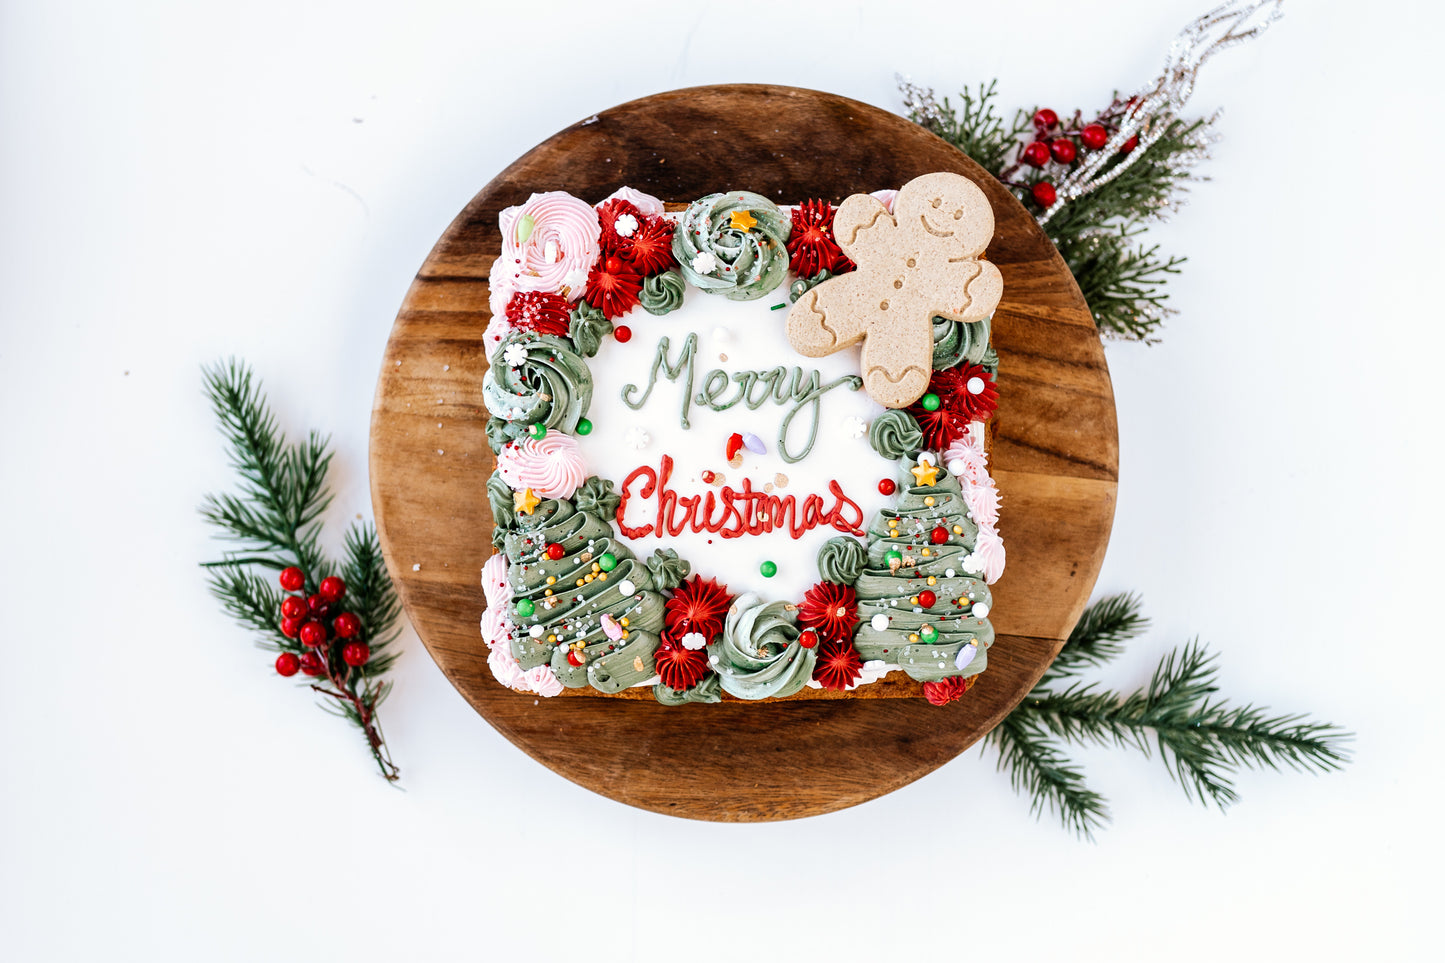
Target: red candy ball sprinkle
(311, 664)
(287, 664)
(294, 607)
(313, 633)
(887, 487)
(1064, 150)
(347, 625)
(332, 588)
(1036, 154)
(356, 653)
(809, 639)
(1046, 119)
(575, 658)
(939, 535)
(292, 579)
(622, 333)
(1094, 136)
(291, 628)
(1044, 194)
(555, 551)
(927, 599)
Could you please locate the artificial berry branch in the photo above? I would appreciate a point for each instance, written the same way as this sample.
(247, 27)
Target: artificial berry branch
(1096, 182)
(329, 627)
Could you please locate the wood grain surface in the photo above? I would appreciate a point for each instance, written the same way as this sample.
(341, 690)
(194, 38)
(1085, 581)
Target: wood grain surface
(1055, 459)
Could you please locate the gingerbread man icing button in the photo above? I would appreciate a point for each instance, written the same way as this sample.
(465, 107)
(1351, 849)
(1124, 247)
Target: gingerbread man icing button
(920, 262)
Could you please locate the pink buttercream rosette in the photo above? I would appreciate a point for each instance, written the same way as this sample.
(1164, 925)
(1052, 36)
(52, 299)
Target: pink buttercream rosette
(989, 552)
(551, 466)
(505, 667)
(543, 681)
(554, 257)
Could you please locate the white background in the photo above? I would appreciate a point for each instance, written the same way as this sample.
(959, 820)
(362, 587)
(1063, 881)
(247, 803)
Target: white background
(186, 181)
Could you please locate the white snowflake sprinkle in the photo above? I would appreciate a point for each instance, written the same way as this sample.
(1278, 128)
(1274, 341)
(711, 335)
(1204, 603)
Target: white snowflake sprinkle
(625, 225)
(704, 263)
(515, 355)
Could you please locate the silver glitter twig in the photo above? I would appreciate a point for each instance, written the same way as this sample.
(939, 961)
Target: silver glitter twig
(1148, 113)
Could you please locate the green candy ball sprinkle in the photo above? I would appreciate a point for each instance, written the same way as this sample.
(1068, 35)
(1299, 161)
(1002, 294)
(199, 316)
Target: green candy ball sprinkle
(928, 633)
(769, 569)
(525, 607)
(584, 427)
(894, 556)
(537, 431)
(931, 401)
(607, 562)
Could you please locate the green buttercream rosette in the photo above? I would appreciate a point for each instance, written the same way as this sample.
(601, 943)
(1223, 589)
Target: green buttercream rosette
(662, 293)
(957, 341)
(759, 656)
(551, 385)
(895, 434)
(741, 262)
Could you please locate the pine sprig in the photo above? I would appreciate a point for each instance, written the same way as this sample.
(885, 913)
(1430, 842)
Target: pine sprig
(275, 519)
(975, 126)
(1203, 740)
(1099, 635)
(1038, 767)
(282, 493)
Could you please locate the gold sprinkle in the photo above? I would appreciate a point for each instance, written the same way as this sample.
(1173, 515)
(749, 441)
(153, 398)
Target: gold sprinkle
(551, 580)
(580, 583)
(602, 576)
(913, 637)
(927, 552)
(914, 600)
(929, 501)
(625, 633)
(596, 566)
(589, 577)
(958, 529)
(932, 580)
(552, 638)
(548, 592)
(623, 622)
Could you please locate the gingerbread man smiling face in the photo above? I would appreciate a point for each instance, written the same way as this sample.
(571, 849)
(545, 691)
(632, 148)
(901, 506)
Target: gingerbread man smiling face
(916, 264)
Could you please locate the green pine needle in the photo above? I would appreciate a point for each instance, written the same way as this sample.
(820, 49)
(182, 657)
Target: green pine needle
(1099, 635)
(1038, 767)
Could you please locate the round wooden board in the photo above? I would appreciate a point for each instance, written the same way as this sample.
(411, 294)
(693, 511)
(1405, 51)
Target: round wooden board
(1055, 459)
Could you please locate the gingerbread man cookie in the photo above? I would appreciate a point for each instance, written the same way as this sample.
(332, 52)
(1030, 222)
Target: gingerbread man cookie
(919, 262)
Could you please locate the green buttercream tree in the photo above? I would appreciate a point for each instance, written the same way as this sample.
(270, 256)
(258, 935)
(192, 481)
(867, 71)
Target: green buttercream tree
(917, 579)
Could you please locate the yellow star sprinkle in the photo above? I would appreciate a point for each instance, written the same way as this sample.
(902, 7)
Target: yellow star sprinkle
(525, 502)
(926, 474)
(743, 220)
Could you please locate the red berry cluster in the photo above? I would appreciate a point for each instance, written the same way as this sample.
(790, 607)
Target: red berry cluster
(306, 617)
(1056, 143)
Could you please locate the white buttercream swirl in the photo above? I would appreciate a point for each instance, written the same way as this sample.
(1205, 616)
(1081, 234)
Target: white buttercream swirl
(551, 466)
(646, 204)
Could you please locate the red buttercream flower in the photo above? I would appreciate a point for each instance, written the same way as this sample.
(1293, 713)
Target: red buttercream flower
(607, 215)
(697, 606)
(957, 404)
(613, 286)
(830, 608)
(811, 247)
(838, 665)
(947, 690)
(678, 666)
(541, 312)
(650, 247)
